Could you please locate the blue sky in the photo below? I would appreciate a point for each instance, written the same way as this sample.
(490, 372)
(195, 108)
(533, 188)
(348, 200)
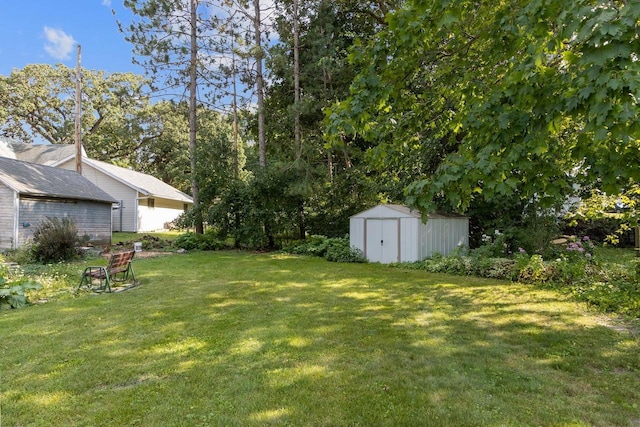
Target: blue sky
(48, 31)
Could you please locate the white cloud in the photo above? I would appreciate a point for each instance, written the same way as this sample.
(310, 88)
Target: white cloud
(58, 43)
(106, 3)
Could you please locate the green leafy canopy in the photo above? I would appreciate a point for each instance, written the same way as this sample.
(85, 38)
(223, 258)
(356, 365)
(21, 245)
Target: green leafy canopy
(530, 96)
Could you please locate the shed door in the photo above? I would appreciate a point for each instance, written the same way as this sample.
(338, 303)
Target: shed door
(382, 240)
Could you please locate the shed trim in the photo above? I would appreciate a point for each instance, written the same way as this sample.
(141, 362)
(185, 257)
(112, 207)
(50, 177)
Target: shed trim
(406, 212)
(16, 220)
(399, 231)
(365, 238)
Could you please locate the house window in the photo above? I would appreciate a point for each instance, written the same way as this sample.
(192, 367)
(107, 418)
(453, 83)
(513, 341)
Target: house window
(185, 207)
(151, 203)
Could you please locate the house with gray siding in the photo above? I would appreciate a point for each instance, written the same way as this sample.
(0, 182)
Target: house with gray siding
(143, 202)
(30, 193)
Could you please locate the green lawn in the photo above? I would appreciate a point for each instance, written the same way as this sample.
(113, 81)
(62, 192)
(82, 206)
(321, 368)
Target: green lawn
(238, 339)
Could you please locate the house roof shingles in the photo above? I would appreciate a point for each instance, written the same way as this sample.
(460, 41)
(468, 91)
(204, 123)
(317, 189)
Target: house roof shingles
(146, 184)
(41, 154)
(45, 181)
(55, 154)
(48, 155)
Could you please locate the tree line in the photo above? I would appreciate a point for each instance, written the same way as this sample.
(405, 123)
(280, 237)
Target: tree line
(284, 118)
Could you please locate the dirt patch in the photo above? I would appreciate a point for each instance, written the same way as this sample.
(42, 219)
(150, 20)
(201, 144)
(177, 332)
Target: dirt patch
(619, 324)
(143, 254)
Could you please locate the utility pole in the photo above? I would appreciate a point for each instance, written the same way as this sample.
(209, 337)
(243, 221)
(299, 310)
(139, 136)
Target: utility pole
(78, 115)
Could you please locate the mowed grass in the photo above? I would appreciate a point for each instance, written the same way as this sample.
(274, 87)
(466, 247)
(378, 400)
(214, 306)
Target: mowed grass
(237, 339)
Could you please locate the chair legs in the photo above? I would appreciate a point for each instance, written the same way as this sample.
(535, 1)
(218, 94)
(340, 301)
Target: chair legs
(99, 273)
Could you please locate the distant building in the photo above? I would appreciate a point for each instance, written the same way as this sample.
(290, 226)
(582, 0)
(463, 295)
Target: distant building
(30, 193)
(142, 202)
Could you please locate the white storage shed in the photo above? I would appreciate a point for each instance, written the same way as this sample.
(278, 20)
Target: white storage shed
(395, 233)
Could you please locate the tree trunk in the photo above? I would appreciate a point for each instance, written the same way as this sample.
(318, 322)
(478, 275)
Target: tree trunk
(199, 226)
(296, 80)
(296, 106)
(236, 162)
(262, 144)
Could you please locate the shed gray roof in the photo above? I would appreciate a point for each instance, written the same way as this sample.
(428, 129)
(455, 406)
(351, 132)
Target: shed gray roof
(146, 184)
(45, 181)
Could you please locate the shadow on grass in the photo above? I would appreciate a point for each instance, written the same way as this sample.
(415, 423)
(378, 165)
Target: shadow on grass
(236, 339)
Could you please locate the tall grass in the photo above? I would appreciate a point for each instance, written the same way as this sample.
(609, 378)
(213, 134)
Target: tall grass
(226, 338)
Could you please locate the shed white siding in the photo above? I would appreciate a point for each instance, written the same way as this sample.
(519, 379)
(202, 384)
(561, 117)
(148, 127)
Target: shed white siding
(393, 233)
(443, 235)
(7, 217)
(356, 233)
(410, 239)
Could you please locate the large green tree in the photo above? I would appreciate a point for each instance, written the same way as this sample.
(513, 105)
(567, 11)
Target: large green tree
(170, 38)
(164, 152)
(509, 98)
(302, 85)
(38, 104)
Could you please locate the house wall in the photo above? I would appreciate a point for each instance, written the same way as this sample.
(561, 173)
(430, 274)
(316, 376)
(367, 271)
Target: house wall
(92, 219)
(124, 218)
(162, 212)
(7, 217)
